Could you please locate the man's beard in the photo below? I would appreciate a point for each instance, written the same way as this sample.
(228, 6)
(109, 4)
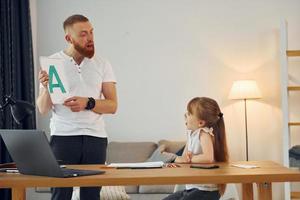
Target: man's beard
(84, 51)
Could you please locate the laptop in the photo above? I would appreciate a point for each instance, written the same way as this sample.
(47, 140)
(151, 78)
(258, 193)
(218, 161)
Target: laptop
(31, 152)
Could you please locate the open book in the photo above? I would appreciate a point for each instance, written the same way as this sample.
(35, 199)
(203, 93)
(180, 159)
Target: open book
(139, 165)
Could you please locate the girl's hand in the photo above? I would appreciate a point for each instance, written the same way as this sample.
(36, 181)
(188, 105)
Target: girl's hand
(171, 165)
(189, 156)
(185, 158)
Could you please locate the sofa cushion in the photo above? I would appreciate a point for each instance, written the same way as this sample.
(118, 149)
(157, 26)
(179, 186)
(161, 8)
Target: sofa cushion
(160, 155)
(43, 189)
(132, 189)
(172, 146)
(148, 196)
(122, 152)
(156, 189)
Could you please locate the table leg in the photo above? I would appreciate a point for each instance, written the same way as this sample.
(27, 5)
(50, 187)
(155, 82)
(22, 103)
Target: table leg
(264, 191)
(18, 193)
(247, 191)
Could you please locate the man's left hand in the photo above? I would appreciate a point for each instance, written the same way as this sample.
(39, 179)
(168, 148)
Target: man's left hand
(76, 104)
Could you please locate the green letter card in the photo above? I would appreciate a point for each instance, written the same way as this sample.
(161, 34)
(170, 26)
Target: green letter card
(58, 84)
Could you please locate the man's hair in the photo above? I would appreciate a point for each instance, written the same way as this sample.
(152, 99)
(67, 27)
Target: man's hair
(74, 19)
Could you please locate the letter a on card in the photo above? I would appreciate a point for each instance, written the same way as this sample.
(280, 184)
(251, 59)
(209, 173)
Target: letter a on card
(54, 75)
(58, 84)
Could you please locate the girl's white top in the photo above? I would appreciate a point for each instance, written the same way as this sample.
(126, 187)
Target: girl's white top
(194, 146)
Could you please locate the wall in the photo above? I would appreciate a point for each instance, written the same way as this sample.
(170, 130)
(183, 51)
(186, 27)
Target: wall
(166, 52)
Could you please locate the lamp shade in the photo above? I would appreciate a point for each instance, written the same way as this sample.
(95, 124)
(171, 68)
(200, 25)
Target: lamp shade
(244, 89)
(19, 109)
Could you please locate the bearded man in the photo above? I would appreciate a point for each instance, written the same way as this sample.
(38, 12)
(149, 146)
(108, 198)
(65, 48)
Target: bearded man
(77, 128)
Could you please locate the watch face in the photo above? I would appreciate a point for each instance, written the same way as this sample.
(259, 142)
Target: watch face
(90, 104)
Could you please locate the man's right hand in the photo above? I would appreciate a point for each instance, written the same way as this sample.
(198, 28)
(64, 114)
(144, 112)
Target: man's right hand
(43, 78)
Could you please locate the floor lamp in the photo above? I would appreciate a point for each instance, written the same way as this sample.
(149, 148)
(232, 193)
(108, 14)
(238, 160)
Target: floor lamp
(245, 90)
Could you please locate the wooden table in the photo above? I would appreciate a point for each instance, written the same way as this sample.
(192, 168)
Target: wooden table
(263, 176)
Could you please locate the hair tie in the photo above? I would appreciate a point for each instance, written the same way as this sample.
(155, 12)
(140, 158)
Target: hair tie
(220, 115)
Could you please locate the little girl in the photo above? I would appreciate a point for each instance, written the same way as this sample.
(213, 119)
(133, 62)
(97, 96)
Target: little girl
(206, 143)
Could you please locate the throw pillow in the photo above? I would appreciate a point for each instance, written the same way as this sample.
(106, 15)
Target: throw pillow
(113, 193)
(160, 155)
(107, 193)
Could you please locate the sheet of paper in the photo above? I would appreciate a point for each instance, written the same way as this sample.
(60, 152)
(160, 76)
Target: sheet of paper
(138, 165)
(245, 166)
(58, 85)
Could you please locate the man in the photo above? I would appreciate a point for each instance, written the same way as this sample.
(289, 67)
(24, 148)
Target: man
(77, 127)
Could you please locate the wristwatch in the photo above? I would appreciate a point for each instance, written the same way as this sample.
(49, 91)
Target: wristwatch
(90, 104)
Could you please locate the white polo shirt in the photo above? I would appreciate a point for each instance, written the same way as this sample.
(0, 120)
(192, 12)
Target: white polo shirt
(84, 80)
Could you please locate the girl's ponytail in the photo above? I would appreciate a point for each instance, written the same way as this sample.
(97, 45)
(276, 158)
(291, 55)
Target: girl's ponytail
(220, 145)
